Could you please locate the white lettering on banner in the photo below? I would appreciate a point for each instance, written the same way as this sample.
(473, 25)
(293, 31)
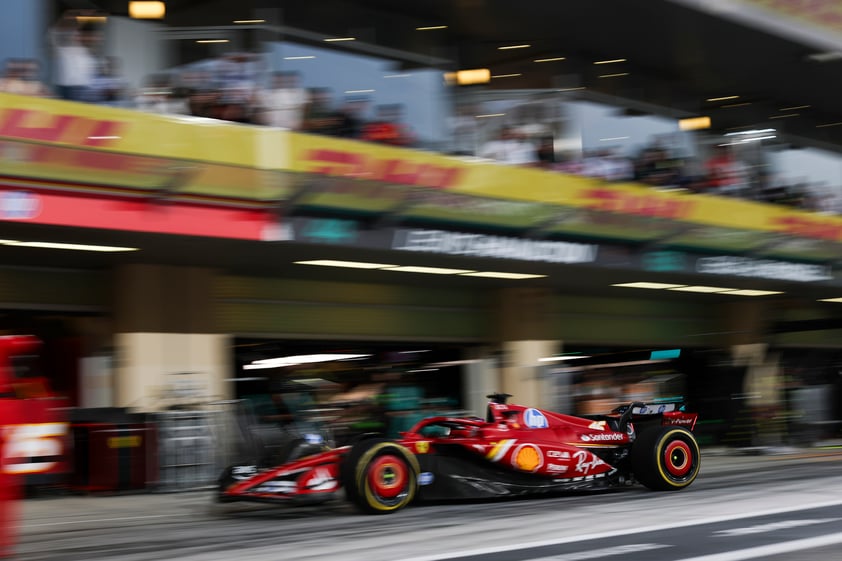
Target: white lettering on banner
(763, 268)
(478, 245)
(33, 448)
(556, 468)
(583, 464)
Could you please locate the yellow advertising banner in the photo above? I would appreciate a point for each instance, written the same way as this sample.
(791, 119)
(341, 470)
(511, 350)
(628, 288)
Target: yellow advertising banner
(356, 160)
(146, 134)
(43, 139)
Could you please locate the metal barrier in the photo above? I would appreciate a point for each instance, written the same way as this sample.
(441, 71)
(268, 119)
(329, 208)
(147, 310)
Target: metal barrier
(189, 449)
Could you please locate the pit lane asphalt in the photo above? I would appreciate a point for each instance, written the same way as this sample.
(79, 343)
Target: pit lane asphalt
(188, 526)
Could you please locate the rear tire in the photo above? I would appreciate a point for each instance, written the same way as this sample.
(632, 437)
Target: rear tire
(666, 458)
(380, 476)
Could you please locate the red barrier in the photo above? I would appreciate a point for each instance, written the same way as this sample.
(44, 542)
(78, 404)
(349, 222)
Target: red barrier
(13, 445)
(10, 415)
(112, 457)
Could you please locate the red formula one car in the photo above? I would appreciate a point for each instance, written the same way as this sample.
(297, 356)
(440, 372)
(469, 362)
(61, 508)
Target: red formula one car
(515, 450)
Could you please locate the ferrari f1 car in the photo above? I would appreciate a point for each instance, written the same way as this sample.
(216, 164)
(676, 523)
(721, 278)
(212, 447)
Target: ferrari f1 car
(515, 450)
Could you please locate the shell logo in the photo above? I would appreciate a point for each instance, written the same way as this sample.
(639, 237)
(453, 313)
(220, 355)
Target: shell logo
(527, 457)
(422, 447)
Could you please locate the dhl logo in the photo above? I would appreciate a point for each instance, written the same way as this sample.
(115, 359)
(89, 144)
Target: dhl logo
(650, 205)
(67, 129)
(13, 151)
(392, 170)
(810, 227)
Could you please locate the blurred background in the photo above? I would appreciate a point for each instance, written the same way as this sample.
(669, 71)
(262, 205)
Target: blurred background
(203, 205)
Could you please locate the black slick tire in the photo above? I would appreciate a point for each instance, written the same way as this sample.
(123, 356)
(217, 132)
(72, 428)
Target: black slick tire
(380, 476)
(665, 458)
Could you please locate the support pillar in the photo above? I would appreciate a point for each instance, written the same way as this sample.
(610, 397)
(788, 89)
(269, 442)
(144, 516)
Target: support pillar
(481, 378)
(167, 349)
(524, 323)
(763, 382)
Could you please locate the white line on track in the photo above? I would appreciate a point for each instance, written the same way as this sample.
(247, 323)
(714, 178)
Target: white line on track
(625, 532)
(772, 527)
(771, 549)
(605, 552)
(96, 520)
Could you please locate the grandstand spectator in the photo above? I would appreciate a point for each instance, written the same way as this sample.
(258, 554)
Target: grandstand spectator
(319, 116)
(546, 152)
(108, 86)
(236, 104)
(726, 174)
(20, 76)
(236, 80)
(657, 167)
(509, 148)
(160, 96)
(608, 166)
(352, 117)
(198, 89)
(75, 42)
(283, 103)
(387, 127)
(464, 130)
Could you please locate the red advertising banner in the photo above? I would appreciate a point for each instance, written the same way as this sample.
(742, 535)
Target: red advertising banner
(137, 215)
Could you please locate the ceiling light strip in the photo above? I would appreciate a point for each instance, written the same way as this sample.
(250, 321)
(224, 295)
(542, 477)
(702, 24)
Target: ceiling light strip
(417, 269)
(345, 264)
(502, 275)
(698, 288)
(648, 285)
(429, 270)
(702, 289)
(68, 246)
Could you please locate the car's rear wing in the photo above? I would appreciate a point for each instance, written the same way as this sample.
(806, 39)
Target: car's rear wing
(671, 412)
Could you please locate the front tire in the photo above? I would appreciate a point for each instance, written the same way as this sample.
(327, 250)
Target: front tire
(380, 476)
(666, 458)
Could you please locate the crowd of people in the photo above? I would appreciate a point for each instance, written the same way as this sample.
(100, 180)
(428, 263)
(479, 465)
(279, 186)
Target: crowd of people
(659, 165)
(233, 87)
(227, 88)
